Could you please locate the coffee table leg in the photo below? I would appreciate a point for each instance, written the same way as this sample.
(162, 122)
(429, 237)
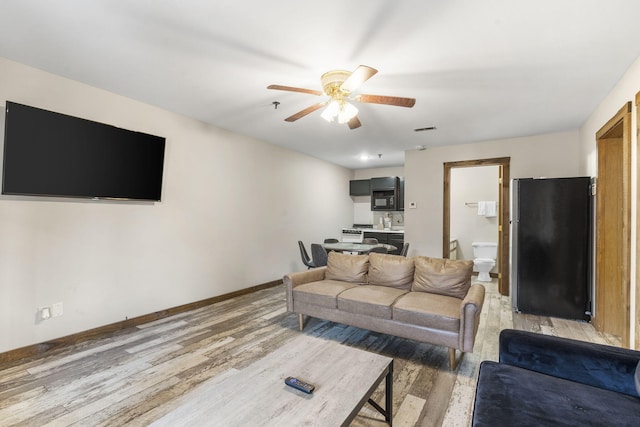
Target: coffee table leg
(388, 397)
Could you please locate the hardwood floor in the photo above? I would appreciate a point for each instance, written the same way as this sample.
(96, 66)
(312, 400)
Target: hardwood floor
(138, 376)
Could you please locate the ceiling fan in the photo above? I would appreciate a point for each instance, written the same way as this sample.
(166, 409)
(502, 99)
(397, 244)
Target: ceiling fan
(339, 86)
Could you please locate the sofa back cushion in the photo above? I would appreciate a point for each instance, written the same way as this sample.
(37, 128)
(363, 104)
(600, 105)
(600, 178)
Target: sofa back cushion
(347, 268)
(442, 276)
(391, 270)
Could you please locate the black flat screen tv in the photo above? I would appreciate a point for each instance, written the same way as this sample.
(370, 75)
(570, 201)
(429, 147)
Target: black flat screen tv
(53, 154)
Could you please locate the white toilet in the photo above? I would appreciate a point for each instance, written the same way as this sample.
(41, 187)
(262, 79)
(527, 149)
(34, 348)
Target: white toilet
(484, 254)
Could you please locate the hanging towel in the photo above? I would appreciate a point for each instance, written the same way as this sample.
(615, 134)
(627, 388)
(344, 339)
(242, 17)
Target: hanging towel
(491, 209)
(482, 208)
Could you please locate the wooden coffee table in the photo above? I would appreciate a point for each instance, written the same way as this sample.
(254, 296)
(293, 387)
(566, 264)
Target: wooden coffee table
(344, 377)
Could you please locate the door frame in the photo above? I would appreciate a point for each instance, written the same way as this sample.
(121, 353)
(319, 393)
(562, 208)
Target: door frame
(620, 123)
(503, 164)
(637, 167)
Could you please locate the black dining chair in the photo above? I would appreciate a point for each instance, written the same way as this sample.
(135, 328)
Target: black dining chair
(405, 250)
(306, 260)
(331, 241)
(370, 241)
(319, 255)
(379, 249)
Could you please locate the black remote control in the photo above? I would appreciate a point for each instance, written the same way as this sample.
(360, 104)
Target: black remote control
(300, 385)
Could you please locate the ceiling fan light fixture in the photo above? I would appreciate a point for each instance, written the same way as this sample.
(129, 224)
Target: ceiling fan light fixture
(347, 112)
(331, 111)
(339, 110)
(332, 80)
(338, 86)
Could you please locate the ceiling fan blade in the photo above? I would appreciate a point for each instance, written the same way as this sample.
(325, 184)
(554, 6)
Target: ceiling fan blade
(388, 100)
(359, 76)
(295, 89)
(302, 113)
(354, 123)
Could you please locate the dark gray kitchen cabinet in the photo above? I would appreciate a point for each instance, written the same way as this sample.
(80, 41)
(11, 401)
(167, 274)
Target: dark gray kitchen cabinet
(400, 203)
(382, 237)
(395, 239)
(360, 187)
(384, 193)
(384, 183)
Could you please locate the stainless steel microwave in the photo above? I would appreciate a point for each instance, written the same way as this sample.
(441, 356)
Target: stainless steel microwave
(383, 201)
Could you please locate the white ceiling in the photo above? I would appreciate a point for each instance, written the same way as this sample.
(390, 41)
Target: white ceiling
(479, 70)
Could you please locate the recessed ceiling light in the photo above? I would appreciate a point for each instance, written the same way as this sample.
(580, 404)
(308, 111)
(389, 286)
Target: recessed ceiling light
(365, 157)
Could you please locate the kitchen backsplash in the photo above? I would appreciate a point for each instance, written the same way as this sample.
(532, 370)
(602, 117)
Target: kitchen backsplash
(362, 214)
(397, 218)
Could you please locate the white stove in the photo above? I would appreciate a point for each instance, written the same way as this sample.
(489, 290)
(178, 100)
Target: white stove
(352, 235)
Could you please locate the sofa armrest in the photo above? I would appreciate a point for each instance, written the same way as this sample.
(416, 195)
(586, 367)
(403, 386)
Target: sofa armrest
(598, 365)
(470, 309)
(299, 278)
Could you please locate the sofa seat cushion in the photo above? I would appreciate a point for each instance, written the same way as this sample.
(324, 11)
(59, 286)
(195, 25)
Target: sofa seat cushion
(370, 300)
(322, 293)
(510, 396)
(391, 270)
(431, 310)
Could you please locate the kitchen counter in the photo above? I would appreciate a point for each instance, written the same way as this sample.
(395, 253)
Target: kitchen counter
(376, 230)
(387, 237)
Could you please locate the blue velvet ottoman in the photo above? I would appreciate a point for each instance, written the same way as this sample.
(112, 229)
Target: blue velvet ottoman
(549, 381)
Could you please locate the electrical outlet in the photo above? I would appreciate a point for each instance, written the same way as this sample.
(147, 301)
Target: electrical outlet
(56, 310)
(44, 312)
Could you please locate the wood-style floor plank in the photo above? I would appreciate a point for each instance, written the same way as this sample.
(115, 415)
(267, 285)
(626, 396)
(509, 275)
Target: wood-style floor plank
(137, 376)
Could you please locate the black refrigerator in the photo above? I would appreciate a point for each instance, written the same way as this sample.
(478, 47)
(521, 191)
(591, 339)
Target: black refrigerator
(551, 247)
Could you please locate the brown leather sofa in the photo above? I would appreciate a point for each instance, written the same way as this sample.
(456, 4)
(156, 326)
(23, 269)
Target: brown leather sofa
(424, 299)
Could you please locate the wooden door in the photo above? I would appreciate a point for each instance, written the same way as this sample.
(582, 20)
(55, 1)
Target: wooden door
(613, 231)
(503, 229)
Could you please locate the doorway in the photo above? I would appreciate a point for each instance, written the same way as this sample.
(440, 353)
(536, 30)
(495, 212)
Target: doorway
(613, 227)
(503, 213)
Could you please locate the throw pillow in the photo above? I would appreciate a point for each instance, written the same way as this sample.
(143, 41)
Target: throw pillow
(347, 268)
(391, 270)
(442, 276)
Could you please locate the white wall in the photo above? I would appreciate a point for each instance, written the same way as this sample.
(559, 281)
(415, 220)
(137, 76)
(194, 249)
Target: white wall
(378, 172)
(470, 185)
(624, 91)
(232, 211)
(552, 155)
